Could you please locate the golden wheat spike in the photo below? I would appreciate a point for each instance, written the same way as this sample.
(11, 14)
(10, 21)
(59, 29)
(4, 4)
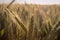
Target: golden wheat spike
(16, 18)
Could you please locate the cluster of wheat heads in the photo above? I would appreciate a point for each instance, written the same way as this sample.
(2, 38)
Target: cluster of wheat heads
(14, 29)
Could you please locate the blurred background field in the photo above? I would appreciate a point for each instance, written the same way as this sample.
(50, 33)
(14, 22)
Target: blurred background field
(29, 22)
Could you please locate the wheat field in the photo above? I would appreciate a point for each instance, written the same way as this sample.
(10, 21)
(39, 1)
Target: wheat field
(29, 22)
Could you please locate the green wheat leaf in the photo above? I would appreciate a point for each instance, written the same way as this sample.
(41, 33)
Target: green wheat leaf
(2, 32)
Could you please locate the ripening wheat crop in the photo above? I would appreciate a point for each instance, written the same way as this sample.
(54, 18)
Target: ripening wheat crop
(29, 22)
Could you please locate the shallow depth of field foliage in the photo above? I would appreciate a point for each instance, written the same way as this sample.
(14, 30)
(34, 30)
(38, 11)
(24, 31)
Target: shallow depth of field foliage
(29, 22)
